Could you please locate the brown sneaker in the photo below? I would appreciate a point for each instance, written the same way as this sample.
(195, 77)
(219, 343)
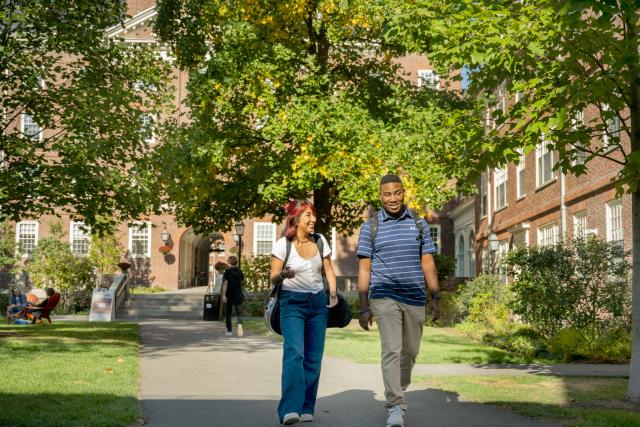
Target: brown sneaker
(240, 330)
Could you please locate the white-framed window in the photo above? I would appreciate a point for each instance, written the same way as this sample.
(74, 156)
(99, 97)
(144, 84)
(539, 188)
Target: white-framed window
(519, 96)
(578, 122)
(548, 234)
(147, 128)
(264, 236)
(615, 229)
(79, 238)
(141, 85)
(503, 250)
(27, 236)
(460, 254)
(613, 129)
(500, 187)
(520, 188)
(580, 224)
(428, 78)
(545, 161)
(140, 240)
(29, 128)
(434, 229)
(471, 257)
(483, 195)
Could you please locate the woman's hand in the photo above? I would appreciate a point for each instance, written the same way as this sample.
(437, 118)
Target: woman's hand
(287, 273)
(333, 300)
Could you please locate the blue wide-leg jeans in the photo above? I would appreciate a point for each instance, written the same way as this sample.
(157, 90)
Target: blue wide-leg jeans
(303, 319)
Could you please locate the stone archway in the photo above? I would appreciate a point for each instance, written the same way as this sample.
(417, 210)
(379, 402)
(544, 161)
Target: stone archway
(194, 259)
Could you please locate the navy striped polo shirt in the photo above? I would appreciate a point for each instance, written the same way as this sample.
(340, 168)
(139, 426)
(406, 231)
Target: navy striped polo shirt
(396, 261)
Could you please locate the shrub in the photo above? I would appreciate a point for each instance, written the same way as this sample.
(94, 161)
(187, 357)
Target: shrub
(449, 310)
(52, 264)
(445, 264)
(570, 344)
(8, 258)
(582, 286)
(257, 272)
(104, 253)
(484, 299)
(253, 307)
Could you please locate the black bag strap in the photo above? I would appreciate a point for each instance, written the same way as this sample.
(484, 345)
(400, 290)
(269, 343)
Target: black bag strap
(374, 227)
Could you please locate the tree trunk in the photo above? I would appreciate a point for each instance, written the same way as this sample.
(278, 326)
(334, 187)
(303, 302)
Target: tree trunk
(633, 392)
(322, 202)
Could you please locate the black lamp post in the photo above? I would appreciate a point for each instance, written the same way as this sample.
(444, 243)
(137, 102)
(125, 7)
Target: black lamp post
(239, 231)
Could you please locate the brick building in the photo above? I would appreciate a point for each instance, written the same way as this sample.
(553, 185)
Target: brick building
(191, 258)
(529, 203)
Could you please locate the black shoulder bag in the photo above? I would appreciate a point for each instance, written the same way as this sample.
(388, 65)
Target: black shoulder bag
(339, 316)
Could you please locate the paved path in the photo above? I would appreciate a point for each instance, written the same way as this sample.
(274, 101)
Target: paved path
(192, 375)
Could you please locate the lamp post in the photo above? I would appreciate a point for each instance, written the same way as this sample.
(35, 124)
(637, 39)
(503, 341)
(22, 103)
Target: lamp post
(239, 231)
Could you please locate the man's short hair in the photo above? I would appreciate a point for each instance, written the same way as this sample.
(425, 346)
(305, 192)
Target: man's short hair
(233, 260)
(388, 178)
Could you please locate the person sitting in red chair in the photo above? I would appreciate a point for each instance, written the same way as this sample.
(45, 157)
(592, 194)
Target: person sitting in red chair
(41, 311)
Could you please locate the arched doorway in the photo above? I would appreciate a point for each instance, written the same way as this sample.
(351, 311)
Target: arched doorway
(194, 258)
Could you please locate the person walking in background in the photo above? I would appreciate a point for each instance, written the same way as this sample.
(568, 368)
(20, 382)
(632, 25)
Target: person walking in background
(16, 303)
(395, 257)
(297, 265)
(232, 294)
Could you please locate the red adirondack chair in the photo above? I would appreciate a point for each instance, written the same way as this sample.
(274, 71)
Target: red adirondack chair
(36, 314)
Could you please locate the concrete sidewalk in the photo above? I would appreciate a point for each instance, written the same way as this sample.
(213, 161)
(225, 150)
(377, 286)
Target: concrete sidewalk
(193, 375)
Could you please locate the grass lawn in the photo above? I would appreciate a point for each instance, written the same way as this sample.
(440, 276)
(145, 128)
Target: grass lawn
(69, 374)
(439, 345)
(574, 401)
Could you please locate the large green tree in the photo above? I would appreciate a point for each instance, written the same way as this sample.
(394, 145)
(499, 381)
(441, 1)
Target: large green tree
(291, 99)
(72, 103)
(561, 57)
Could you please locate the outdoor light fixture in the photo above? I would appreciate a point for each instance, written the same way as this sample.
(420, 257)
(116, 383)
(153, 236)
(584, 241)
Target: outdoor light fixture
(493, 242)
(165, 234)
(218, 246)
(239, 228)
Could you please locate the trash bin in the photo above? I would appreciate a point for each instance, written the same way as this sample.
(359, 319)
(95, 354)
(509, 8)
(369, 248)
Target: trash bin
(211, 307)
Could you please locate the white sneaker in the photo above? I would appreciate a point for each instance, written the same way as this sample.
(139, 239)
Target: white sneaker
(395, 418)
(291, 418)
(306, 418)
(240, 330)
(228, 334)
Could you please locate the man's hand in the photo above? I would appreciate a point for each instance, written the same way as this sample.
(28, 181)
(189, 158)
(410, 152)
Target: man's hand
(435, 309)
(224, 299)
(365, 319)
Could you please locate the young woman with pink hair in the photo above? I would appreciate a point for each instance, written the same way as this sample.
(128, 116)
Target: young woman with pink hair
(304, 306)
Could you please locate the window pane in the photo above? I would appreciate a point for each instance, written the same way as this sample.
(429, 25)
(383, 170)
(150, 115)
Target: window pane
(79, 239)
(27, 237)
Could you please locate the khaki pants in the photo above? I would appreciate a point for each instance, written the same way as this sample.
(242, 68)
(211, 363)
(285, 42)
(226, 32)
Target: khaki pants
(400, 327)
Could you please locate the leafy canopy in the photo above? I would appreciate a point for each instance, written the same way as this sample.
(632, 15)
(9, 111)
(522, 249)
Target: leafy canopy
(82, 96)
(560, 57)
(288, 99)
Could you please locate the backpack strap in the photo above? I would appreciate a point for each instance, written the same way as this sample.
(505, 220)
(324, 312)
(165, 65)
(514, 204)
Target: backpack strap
(287, 252)
(373, 220)
(374, 227)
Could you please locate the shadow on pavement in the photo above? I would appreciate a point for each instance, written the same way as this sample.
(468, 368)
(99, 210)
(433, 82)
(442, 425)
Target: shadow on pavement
(352, 408)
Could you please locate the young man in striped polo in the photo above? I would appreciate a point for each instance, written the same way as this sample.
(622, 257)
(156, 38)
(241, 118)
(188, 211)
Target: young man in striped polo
(393, 267)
